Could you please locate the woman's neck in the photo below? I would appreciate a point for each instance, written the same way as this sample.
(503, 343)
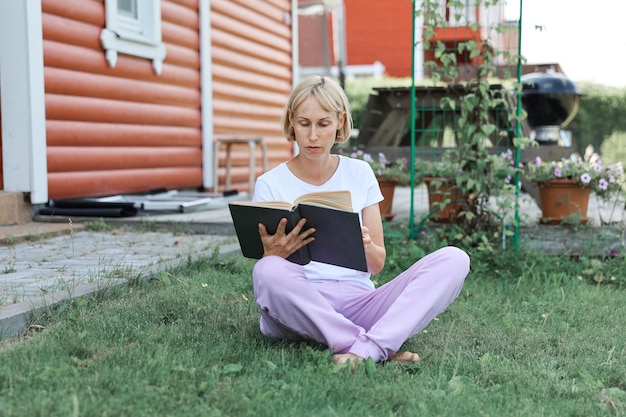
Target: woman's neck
(315, 172)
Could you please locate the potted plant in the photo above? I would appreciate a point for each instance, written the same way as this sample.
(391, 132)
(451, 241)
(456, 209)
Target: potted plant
(389, 174)
(447, 179)
(445, 198)
(565, 185)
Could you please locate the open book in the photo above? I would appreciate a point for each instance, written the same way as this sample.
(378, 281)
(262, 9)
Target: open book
(338, 240)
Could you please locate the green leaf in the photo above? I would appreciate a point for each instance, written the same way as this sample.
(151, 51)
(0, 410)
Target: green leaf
(165, 278)
(232, 368)
(488, 129)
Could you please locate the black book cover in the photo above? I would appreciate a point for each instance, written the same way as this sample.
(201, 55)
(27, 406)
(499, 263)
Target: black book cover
(338, 240)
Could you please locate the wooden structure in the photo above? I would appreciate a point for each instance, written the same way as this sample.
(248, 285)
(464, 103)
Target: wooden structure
(252, 144)
(385, 126)
(386, 119)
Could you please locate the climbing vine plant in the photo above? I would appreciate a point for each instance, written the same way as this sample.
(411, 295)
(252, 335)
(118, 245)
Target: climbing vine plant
(477, 75)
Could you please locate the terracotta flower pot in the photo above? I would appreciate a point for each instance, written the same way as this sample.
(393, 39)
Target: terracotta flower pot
(562, 199)
(388, 188)
(441, 190)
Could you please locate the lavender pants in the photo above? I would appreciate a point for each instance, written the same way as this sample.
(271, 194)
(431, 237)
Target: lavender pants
(349, 318)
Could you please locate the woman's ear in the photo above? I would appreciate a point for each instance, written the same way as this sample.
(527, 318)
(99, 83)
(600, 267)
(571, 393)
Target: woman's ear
(342, 120)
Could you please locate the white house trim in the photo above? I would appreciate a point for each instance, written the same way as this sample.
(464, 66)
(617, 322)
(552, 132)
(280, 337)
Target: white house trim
(375, 70)
(23, 99)
(295, 39)
(138, 36)
(295, 53)
(206, 87)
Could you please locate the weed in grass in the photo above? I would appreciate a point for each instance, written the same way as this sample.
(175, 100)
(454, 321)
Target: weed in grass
(37, 238)
(9, 240)
(8, 262)
(97, 226)
(179, 228)
(148, 225)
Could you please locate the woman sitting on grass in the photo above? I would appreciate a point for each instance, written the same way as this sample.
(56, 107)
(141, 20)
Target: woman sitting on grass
(336, 306)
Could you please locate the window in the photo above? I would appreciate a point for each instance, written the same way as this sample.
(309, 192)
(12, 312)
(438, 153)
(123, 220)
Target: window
(128, 16)
(133, 27)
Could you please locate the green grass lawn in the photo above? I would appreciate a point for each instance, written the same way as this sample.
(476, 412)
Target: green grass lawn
(529, 335)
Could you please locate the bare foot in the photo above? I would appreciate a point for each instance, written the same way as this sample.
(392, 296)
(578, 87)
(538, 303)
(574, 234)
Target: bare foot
(404, 357)
(341, 358)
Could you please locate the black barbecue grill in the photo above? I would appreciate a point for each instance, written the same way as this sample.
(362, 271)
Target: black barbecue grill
(551, 101)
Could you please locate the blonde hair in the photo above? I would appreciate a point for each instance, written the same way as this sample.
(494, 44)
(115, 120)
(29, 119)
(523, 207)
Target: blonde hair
(329, 95)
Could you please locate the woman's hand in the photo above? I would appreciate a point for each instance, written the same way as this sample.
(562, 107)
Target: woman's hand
(373, 240)
(284, 244)
(367, 239)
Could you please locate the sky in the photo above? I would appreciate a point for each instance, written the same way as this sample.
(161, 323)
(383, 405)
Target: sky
(586, 37)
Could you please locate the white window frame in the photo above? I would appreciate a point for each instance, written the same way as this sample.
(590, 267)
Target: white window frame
(140, 37)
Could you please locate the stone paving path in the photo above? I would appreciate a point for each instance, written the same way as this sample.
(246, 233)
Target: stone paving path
(35, 268)
(40, 272)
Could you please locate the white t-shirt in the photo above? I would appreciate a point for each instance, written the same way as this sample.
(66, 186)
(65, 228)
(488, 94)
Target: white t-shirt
(279, 184)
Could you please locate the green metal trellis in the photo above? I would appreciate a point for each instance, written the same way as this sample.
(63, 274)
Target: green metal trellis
(413, 112)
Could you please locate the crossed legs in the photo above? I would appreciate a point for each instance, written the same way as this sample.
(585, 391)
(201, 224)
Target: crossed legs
(354, 322)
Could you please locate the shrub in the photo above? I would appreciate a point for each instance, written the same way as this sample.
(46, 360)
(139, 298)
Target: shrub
(599, 115)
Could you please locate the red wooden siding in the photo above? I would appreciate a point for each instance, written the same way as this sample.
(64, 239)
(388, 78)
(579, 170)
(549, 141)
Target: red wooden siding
(251, 50)
(123, 129)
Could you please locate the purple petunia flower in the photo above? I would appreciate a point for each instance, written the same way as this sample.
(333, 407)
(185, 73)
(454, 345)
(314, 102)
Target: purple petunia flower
(538, 161)
(557, 172)
(585, 178)
(603, 184)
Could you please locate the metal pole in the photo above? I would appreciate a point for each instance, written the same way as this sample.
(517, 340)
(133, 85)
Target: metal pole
(412, 161)
(518, 129)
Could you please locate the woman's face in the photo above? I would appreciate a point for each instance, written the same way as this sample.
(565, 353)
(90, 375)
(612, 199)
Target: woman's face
(315, 128)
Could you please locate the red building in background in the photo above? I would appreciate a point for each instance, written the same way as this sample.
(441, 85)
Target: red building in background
(366, 32)
(380, 31)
